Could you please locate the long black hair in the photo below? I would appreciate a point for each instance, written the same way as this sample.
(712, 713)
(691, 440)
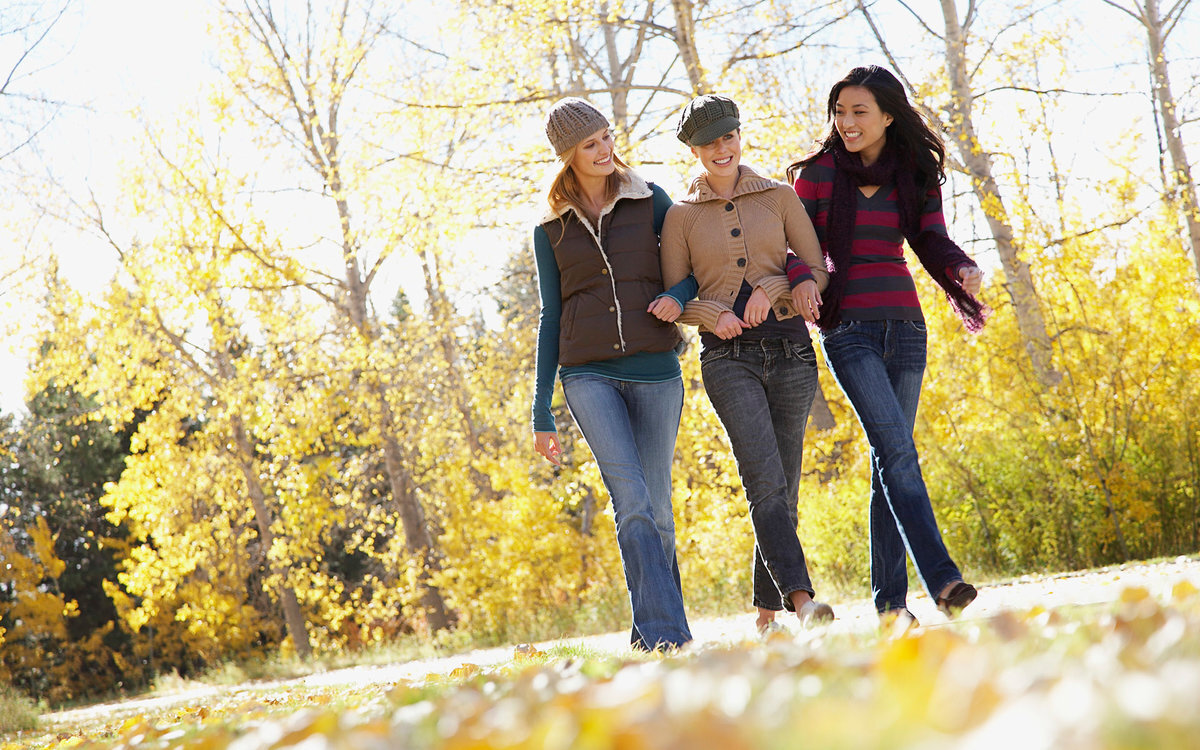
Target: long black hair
(917, 144)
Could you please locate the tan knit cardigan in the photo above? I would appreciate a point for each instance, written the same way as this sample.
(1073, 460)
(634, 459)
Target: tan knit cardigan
(725, 241)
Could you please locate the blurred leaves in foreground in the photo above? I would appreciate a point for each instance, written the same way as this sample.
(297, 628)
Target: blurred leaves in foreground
(1123, 676)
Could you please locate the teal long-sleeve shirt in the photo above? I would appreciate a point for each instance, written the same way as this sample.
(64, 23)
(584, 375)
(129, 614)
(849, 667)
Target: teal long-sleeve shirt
(643, 367)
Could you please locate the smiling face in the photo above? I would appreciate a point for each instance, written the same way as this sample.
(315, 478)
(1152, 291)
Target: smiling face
(594, 155)
(721, 157)
(861, 123)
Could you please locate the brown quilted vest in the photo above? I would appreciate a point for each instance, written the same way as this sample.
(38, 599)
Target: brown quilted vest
(606, 289)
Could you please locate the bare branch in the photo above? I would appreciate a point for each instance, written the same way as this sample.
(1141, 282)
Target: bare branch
(969, 17)
(1175, 12)
(1100, 228)
(1048, 92)
(29, 49)
(1135, 16)
(25, 142)
(921, 21)
(243, 245)
(736, 58)
(1173, 17)
(535, 98)
(887, 52)
(991, 45)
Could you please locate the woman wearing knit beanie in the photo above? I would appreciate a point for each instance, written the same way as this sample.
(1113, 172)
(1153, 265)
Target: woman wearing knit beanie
(733, 231)
(597, 253)
(874, 182)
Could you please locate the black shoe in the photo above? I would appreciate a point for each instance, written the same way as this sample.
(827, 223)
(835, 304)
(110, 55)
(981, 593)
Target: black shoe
(957, 598)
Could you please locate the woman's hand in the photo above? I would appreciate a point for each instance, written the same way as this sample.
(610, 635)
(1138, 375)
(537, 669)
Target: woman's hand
(664, 308)
(729, 325)
(971, 279)
(757, 308)
(806, 298)
(546, 444)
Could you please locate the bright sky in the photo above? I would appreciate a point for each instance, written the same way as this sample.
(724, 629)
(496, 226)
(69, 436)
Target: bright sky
(105, 59)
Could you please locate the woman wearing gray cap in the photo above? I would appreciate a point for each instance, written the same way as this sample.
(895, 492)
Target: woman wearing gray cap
(599, 276)
(733, 231)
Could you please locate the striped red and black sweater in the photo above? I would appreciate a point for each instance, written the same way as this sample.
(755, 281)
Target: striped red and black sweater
(879, 285)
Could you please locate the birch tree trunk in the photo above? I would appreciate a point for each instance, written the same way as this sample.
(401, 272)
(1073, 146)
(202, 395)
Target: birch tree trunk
(263, 518)
(1180, 181)
(1020, 285)
(317, 132)
(685, 40)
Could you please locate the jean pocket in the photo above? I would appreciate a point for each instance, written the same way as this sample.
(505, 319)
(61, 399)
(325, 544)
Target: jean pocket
(918, 326)
(840, 330)
(713, 353)
(805, 353)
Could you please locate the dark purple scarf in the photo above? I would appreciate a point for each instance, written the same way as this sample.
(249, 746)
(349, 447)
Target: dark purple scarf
(936, 251)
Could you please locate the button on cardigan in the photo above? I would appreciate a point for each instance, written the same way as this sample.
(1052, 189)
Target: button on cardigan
(725, 241)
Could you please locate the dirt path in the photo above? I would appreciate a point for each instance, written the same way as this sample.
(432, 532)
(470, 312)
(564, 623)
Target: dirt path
(1070, 589)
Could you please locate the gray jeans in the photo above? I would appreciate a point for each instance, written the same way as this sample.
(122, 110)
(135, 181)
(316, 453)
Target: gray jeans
(762, 392)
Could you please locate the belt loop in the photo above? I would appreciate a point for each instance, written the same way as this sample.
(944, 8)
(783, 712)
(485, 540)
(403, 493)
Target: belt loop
(787, 348)
(737, 348)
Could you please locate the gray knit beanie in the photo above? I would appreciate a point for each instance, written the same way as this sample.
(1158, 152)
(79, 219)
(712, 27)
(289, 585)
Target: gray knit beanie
(707, 118)
(571, 120)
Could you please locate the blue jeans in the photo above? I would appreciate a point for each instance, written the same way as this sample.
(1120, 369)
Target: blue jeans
(879, 364)
(762, 392)
(631, 429)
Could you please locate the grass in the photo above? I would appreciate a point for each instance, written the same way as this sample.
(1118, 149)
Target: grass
(17, 711)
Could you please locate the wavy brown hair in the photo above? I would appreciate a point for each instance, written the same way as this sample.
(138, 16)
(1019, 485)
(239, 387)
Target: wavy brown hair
(565, 191)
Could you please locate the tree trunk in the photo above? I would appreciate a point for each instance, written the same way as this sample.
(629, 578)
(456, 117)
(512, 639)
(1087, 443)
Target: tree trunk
(1020, 286)
(1111, 508)
(617, 88)
(585, 529)
(1183, 183)
(417, 541)
(821, 415)
(1193, 462)
(440, 315)
(317, 128)
(263, 518)
(685, 40)
(975, 492)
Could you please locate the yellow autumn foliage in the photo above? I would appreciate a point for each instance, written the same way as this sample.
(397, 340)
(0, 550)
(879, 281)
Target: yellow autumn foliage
(37, 653)
(308, 469)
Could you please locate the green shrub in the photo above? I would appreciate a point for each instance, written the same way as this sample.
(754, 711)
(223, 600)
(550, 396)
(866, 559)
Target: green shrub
(17, 710)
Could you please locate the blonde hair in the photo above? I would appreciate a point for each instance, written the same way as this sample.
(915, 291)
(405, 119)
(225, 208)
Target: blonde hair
(565, 192)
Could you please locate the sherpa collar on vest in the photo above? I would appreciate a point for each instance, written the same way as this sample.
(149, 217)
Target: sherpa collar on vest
(633, 187)
(749, 181)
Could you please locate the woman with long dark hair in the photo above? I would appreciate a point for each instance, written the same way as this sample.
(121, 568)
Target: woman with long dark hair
(874, 182)
(599, 276)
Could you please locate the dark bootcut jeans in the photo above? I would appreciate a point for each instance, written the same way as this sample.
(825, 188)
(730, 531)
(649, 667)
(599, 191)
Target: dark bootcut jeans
(880, 364)
(631, 429)
(762, 392)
